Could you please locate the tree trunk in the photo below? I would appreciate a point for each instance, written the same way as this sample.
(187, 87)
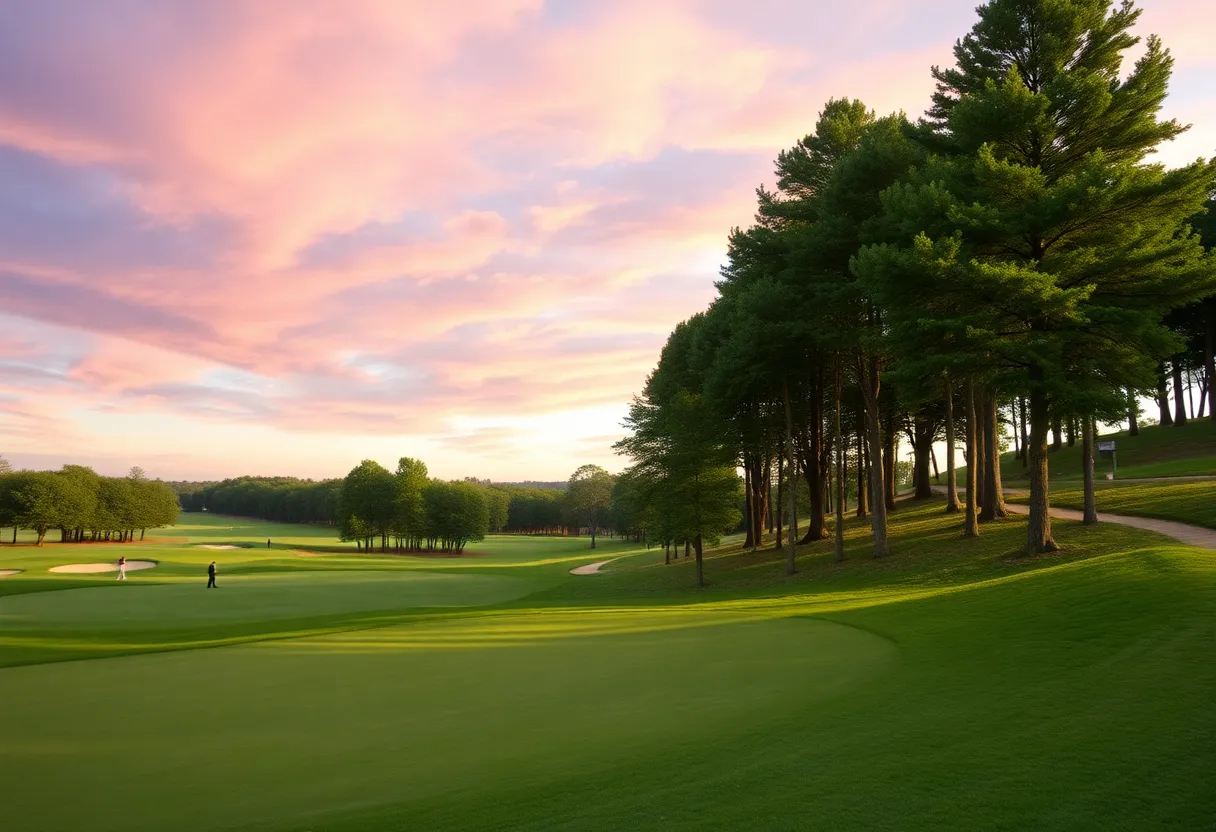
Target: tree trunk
(750, 540)
(889, 452)
(977, 427)
(816, 467)
(780, 495)
(793, 472)
(1038, 529)
(700, 567)
(818, 483)
(970, 525)
(1057, 441)
(1071, 431)
(996, 435)
(1163, 396)
(1133, 410)
(1179, 401)
(952, 505)
(878, 521)
(922, 431)
(862, 471)
(1209, 354)
(768, 491)
(1087, 462)
(844, 493)
(994, 496)
(1019, 450)
(757, 507)
(688, 550)
(838, 532)
(667, 551)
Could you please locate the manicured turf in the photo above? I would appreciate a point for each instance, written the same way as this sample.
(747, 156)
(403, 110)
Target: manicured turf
(1191, 502)
(952, 685)
(1189, 450)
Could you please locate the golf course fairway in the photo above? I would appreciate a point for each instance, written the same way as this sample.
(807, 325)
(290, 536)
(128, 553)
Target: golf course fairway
(952, 685)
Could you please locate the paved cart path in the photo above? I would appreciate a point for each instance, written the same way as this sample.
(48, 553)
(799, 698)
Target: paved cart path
(1184, 532)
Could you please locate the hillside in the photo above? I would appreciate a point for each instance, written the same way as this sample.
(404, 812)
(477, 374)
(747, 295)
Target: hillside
(1158, 451)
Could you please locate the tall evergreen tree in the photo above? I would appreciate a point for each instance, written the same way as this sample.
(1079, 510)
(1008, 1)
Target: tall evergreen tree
(1071, 242)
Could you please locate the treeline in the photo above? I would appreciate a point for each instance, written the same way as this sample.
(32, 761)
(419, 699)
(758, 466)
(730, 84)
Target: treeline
(83, 505)
(1014, 251)
(520, 508)
(407, 511)
(278, 499)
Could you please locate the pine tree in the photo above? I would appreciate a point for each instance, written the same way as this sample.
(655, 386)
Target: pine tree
(1071, 246)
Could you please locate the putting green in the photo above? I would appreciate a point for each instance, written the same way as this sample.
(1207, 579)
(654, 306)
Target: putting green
(278, 734)
(257, 597)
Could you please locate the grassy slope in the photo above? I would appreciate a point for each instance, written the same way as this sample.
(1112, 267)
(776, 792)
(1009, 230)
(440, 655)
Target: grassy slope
(948, 686)
(1184, 502)
(1157, 452)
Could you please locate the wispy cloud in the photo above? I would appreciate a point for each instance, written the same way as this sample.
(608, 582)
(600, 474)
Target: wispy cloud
(286, 236)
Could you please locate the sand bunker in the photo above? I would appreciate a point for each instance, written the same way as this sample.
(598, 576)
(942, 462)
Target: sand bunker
(4, 573)
(85, 568)
(214, 546)
(591, 568)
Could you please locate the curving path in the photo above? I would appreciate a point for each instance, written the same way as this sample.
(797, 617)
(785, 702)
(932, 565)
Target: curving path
(1188, 534)
(591, 568)
(1182, 532)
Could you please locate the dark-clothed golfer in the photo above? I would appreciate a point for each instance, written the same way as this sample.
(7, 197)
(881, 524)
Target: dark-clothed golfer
(211, 575)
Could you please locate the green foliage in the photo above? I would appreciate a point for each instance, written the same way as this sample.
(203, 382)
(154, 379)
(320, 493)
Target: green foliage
(1021, 237)
(409, 507)
(83, 505)
(279, 499)
(366, 505)
(532, 510)
(456, 513)
(499, 503)
(589, 496)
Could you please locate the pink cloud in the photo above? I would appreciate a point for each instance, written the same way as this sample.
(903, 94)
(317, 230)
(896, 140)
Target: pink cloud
(248, 220)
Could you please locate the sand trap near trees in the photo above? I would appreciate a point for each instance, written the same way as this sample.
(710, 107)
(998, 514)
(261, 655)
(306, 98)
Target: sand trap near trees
(4, 573)
(591, 568)
(217, 546)
(86, 568)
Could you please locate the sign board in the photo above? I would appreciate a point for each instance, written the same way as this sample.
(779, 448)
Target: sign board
(1108, 445)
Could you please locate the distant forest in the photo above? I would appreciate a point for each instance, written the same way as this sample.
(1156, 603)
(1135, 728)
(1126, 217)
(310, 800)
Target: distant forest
(531, 507)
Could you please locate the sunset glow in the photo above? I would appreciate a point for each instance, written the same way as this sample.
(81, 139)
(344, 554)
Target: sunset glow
(277, 238)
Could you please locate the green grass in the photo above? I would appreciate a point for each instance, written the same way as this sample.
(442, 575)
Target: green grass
(1191, 502)
(953, 685)
(1158, 451)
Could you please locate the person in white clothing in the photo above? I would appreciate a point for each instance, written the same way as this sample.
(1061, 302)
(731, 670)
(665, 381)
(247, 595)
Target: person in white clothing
(122, 568)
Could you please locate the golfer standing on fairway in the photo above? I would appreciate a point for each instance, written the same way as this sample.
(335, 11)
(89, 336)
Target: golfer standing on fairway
(211, 575)
(122, 567)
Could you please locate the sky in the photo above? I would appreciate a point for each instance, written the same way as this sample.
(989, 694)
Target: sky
(276, 238)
